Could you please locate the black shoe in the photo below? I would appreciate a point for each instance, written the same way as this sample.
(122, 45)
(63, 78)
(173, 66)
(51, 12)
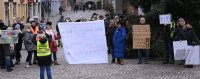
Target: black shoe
(171, 63)
(113, 61)
(139, 63)
(189, 66)
(165, 63)
(182, 63)
(3, 67)
(9, 69)
(35, 63)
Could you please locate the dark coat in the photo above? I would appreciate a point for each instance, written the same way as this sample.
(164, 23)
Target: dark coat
(190, 36)
(109, 35)
(57, 28)
(21, 26)
(44, 60)
(20, 36)
(4, 48)
(29, 45)
(119, 41)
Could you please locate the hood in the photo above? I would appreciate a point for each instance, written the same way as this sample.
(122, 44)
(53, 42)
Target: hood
(43, 40)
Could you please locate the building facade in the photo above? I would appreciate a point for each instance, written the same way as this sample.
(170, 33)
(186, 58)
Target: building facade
(12, 9)
(2, 8)
(34, 9)
(55, 4)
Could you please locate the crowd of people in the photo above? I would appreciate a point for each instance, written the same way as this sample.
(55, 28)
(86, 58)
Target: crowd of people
(38, 41)
(42, 42)
(116, 33)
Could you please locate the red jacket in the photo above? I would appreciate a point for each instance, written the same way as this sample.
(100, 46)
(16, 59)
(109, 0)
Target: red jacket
(53, 44)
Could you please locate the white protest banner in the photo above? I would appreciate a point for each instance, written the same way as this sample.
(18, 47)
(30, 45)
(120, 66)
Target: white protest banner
(84, 42)
(165, 19)
(192, 56)
(179, 50)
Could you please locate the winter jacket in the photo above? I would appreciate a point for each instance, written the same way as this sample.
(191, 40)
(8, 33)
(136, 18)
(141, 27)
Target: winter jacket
(5, 48)
(44, 60)
(20, 35)
(190, 36)
(29, 45)
(119, 41)
(53, 46)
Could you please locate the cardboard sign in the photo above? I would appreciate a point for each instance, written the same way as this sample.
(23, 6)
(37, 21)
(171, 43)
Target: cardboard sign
(84, 42)
(165, 19)
(141, 36)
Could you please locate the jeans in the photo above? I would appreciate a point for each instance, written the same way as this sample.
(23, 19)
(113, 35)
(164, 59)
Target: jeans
(54, 56)
(169, 53)
(146, 53)
(8, 61)
(48, 70)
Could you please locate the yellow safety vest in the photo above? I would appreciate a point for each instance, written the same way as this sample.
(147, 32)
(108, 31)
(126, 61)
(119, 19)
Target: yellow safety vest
(172, 29)
(43, 49)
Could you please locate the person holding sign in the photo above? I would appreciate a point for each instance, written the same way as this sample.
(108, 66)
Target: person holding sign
(146, 51)
(169, 33)
(119, 42)
(6, 50)
(191, 38)
(44, 57)
(18, 26)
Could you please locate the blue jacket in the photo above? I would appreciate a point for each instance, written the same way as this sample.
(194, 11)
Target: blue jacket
(119, 41)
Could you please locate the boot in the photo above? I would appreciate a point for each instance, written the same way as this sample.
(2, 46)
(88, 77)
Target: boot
(113, 60)
(9, 69)
(118, 61)
(121, 62)
(56, 63)
(3, 67)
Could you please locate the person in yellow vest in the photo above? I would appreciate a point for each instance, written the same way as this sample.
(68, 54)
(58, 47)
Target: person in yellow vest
(169, 33)
(44, 57)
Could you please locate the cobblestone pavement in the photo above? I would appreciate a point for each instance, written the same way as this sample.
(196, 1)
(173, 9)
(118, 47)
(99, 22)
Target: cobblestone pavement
(131, 70)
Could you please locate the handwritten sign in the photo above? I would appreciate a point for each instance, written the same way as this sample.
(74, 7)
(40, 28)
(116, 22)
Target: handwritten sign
(84, 42)
(192, 55)
(6, 37)
(141, 36)
(9, 36)
(180, 50)
(165, 19)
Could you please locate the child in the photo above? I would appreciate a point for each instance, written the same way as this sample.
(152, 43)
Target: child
(53, 47)
(52, 40)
